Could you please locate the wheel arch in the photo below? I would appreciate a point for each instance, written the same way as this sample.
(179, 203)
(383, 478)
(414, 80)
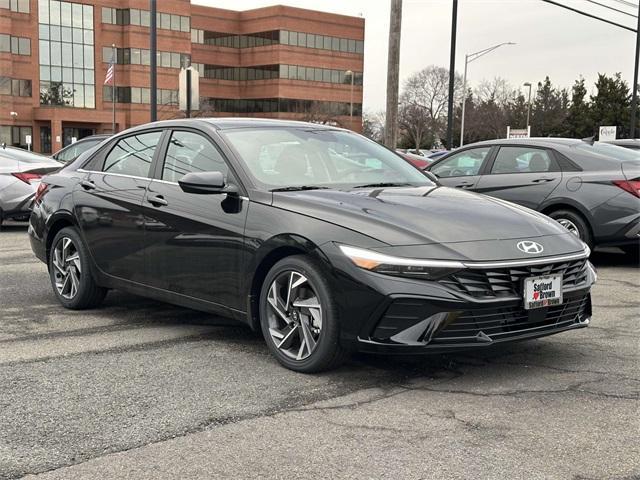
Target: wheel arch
(572, 207)
(270, 253)
(57, 222)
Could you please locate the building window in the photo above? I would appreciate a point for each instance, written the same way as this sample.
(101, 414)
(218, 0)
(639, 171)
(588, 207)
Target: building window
(284, 105)
(134, 16)
(268, 72)
(14, 135)
(15, 45)
(141, 56)
(139, 95)
(67, 64)
(20, 6)
(15, 87)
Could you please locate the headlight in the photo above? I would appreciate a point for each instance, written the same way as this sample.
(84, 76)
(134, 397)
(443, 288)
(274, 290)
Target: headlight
(400, 266)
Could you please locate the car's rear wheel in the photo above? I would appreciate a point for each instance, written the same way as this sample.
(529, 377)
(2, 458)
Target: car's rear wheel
(70, 272)
(574, 223)
(299, 318)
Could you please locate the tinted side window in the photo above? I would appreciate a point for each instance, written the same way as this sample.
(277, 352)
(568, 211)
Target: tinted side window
(190, 152)
(133, 155)
(462, 164)
(522, 160)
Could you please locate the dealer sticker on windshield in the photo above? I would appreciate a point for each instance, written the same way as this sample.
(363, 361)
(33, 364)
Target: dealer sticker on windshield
(542, 291)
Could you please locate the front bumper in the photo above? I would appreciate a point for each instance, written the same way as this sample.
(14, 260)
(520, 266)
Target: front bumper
(462, 327)
(476, 309)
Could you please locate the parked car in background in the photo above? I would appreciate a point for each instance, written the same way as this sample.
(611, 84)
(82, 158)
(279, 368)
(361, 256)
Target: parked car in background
(592, 189)
(632, 143)
(417, 161)
(20, 174)
(324, 240)
(73, 151)
(437, 154)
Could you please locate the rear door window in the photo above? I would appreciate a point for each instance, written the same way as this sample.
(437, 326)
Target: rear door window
(133, 155)
(523, 160)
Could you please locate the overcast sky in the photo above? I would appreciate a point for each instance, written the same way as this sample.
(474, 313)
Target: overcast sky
(550, 40)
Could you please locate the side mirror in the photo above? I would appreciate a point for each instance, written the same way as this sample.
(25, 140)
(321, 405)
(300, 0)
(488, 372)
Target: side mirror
(432, 176)
(206, 183)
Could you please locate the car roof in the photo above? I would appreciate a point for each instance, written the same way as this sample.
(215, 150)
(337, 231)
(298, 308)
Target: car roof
(540, 141)
(228, 123)
(23, 155)
(624, 141)
(97, 136)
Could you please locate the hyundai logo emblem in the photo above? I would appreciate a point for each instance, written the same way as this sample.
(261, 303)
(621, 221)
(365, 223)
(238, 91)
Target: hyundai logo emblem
(527, 246)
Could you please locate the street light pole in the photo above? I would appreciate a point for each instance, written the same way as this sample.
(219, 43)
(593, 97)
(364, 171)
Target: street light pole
(634, 99)
(528, 84)
(467, 60)
(464, 98)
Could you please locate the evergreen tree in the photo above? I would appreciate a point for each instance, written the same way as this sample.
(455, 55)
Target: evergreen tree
(611, 105)
(578, 122)
(549, 110)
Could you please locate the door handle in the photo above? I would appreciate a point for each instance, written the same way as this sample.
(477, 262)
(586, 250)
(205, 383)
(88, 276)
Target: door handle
(157, 201)
(88, 185)
(465, 185)
(542, 180)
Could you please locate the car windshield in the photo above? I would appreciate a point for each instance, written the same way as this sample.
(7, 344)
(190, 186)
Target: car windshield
(315, 158)
(610, 151)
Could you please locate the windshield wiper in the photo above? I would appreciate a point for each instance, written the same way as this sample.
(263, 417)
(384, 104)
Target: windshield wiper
(298, 188)
(384, 184)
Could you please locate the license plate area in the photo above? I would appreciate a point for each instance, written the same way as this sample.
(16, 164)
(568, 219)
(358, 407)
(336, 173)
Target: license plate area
(544, 291)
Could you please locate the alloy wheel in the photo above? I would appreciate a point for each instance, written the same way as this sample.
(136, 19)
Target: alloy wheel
(294, 315)
(569, 225)
(67, 268)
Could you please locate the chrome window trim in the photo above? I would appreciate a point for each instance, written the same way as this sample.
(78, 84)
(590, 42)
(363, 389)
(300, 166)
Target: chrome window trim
(82, 170)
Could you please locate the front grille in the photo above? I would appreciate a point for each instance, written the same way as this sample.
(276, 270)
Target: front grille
(489, 324)
(507, 282)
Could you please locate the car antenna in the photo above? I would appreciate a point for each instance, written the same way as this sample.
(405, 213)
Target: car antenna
(589, 140)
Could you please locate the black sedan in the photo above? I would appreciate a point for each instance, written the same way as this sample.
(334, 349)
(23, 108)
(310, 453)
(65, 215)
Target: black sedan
(323, 240)
(591, 188)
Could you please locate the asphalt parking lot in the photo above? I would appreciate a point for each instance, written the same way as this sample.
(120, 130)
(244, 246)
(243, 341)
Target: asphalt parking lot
(140, 389)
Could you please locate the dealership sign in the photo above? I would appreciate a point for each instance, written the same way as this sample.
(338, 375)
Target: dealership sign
(518, 132)
(607, 133)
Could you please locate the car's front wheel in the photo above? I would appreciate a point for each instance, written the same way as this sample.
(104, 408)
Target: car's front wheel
(69, 270)
(299, 318)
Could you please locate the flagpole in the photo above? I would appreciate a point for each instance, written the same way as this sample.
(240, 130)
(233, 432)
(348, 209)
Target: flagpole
(113, 88)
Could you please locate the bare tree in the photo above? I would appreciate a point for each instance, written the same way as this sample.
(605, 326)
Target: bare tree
(373, 126)
(498, 89)
(429, 89)
(415, 123)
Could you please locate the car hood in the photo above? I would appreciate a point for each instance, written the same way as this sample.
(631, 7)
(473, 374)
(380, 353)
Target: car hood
(424, 215)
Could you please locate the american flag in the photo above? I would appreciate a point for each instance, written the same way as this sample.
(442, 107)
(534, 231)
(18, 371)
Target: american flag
(108, 79)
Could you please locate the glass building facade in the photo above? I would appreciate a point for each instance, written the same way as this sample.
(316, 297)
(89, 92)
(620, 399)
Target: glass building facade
(67, 63)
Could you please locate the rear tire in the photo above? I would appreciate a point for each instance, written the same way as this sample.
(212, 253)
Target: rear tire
(298, 316)
(70, 272)
(575, 223)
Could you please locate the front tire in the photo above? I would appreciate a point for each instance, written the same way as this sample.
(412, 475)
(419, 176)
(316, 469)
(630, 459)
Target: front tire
(70, 272)
(574, 223)
(298, 316)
